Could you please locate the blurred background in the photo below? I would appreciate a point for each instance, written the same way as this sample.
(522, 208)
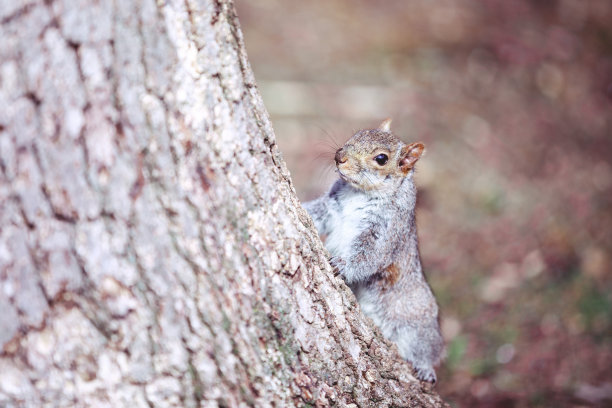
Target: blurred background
(513, 100)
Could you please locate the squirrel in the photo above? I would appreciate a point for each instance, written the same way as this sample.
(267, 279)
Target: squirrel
(368, 218)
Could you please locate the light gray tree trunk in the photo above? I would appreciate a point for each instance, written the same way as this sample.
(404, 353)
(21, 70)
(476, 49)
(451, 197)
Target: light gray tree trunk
(152, 248)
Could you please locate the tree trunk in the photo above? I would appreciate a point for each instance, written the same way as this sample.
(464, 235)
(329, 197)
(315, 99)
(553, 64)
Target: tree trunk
(152, 250)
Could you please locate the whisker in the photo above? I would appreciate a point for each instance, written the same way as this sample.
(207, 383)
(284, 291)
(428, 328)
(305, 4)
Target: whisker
(322, 172)
(320, 159)
(325, 146)
(329, 137)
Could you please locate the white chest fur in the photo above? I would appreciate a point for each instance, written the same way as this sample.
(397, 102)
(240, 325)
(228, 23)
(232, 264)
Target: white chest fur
(347, 220)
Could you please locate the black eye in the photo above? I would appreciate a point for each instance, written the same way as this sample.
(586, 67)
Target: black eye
(381, 159)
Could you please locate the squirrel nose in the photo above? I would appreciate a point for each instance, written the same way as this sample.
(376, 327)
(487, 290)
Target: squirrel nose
(340, 156)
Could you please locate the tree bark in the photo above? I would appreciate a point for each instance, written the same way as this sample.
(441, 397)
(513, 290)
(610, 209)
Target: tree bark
(152, 248)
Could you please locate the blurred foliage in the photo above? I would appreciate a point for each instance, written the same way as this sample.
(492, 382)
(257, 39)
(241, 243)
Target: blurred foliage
(514, 102)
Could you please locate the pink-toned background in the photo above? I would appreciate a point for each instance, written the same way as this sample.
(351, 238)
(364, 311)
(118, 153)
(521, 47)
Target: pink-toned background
(514, 102)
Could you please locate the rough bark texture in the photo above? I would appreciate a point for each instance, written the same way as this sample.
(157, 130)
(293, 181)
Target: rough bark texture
(152, 249)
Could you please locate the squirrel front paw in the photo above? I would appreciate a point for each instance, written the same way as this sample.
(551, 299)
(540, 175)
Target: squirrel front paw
(337, 265)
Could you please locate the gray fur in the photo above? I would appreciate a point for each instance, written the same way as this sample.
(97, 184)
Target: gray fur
(367, 231)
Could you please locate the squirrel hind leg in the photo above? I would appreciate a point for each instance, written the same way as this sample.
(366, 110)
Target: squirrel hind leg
(426, 374)
(422, 347)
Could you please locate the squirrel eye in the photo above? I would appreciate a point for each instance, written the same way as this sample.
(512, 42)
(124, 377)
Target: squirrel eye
(381, 159)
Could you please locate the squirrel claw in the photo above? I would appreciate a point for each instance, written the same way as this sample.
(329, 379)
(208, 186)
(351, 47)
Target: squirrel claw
(425, 374)
(336, 264)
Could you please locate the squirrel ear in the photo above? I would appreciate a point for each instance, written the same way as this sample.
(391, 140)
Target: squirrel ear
(385, 125)
(409, 155)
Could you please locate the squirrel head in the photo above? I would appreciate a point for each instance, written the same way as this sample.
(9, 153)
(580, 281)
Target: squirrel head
(376, 160)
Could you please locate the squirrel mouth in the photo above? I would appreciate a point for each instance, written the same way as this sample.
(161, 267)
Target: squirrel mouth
(346, 178)
(356, 182)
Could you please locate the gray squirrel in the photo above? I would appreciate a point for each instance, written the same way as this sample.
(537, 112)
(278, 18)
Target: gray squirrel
(368, 218)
